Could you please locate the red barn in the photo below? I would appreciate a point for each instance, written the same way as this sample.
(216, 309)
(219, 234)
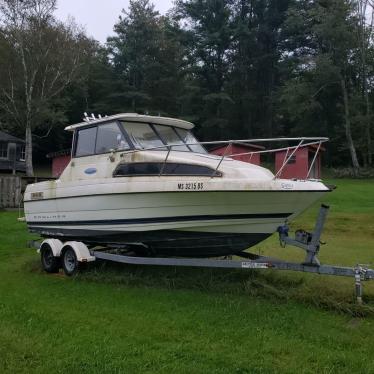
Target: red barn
(60, 160)
(233, 149)
(298, 165)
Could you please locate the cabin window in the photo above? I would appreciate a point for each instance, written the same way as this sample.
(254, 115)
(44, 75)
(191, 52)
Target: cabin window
(170, 136)
(189, 139)
(142, 135)
(85, 145)
(157, 168)
(3, 150)
(110, 137)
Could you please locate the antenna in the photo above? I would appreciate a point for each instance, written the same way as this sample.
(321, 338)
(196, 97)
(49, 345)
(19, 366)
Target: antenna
(87, 118)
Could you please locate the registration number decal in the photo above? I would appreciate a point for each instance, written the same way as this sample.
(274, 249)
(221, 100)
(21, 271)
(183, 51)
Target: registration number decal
(191, 186)
(287, 186)
(37, 195)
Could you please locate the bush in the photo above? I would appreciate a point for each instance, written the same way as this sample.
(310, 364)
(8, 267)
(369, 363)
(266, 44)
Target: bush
(349, 173)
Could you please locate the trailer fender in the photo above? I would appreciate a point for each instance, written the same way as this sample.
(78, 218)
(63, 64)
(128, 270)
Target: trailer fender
(81, 251)
(55, 245)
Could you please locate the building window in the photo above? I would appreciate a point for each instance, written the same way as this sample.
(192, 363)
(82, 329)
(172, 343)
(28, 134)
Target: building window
(22, 156)
(3, 150)
(292, 160)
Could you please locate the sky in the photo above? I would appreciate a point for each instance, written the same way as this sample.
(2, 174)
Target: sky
(99, 16)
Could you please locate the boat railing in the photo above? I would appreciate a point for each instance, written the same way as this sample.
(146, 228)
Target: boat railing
(290, 150)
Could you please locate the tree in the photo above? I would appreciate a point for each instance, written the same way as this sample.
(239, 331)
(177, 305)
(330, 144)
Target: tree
(44, 57)
(255, 64)
(321, 47)
(208, 39)
(364, 13)
(237, 68)
(147, 58)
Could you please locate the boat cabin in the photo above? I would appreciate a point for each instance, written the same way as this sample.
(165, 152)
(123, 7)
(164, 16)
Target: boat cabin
(133, 132)
(127, 133)
(118, 137)
(12, 154)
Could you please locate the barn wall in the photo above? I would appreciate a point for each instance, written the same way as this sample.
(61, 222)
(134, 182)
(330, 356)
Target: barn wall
(298, 169)
(234, 149)
(59, 164)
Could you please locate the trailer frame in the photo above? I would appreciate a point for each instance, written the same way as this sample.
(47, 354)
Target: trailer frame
(310, 243)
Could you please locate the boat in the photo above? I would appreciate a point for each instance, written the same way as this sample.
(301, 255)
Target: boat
(146, 183)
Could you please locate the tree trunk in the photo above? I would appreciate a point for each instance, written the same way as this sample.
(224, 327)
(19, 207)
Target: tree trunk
(348, 133)
(28, 151)
(133, 106)
(368, 128)
(365, 12)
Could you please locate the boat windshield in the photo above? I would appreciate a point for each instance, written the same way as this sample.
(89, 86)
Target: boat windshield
(144, 135)
(188, 138)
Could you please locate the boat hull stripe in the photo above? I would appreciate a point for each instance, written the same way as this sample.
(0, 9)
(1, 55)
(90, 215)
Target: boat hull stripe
(179, 192)
(159, 219)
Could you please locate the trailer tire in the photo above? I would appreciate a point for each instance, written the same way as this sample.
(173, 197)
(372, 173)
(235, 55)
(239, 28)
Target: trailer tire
(50, 263)
(70, 262)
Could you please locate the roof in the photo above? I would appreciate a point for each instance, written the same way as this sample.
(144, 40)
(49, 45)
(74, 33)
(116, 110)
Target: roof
(315, 146)
(134, 117)
(310, 146)
(9, 138)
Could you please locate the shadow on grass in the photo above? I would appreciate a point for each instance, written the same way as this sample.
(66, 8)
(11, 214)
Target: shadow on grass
(271, 285)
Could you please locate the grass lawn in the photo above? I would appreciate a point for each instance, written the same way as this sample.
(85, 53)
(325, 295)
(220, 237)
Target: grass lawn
(131, 319)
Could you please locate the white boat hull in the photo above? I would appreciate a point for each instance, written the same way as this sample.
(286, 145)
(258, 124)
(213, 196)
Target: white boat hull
(175, 223)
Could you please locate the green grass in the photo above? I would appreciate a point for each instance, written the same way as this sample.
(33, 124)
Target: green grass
(131, 319)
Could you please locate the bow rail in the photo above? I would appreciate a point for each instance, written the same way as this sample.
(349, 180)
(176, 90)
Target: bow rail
(290, 150)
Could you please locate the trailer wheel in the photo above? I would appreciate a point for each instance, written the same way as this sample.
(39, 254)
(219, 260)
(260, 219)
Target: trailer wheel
(70, 262)
(50, 263)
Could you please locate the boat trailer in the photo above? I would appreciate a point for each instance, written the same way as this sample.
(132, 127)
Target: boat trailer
(308, 242)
